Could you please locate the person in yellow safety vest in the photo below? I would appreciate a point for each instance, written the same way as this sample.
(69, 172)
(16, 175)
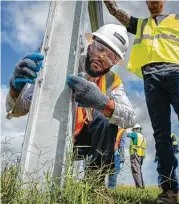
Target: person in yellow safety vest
(176, 151)
(155, 58)
(175, 146)
(137, 151)
(175, 143)
(97, 88)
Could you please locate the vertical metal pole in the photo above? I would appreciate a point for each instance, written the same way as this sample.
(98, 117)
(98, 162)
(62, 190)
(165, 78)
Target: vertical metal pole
(49, 128)
(96, 14)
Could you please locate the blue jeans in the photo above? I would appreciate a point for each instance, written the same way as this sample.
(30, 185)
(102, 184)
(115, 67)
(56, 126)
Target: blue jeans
(112, 180)
(161, 91)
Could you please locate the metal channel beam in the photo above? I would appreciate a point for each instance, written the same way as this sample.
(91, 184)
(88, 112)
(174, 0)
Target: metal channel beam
(49, 129)
(96, 14)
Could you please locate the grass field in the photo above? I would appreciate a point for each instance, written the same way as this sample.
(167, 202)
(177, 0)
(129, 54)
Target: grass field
(89, 191)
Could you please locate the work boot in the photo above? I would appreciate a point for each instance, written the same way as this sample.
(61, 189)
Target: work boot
(168, 197)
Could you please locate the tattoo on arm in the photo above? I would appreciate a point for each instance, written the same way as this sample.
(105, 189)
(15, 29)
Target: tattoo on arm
(119, 14)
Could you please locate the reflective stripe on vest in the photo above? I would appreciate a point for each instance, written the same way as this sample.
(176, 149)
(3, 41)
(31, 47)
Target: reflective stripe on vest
(155, 43)
(140, 148)
(162, 36)
(106, 83)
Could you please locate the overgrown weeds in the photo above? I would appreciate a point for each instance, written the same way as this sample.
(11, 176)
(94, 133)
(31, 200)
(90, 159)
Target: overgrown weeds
(88, 190)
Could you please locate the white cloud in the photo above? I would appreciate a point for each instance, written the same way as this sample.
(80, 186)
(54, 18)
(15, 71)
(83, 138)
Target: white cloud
(12, 131)
(24, 24)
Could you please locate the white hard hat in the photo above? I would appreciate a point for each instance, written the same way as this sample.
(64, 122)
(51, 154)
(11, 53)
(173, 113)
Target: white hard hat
(115, 36)
(136, 126)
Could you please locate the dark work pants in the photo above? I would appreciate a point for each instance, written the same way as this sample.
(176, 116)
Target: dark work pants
(136, 167)
(161, 91)
(100, 135)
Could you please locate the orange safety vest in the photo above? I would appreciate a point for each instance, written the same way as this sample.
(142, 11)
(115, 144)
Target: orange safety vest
(81, 117)
(118, 138)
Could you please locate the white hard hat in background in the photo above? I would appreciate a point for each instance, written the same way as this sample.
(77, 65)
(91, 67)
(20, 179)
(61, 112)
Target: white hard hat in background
(136, 126)
(115, 36)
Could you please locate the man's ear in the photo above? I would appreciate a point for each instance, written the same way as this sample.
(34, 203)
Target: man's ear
(121, 62)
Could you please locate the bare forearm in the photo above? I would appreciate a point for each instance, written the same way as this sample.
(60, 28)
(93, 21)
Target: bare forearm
(109, 109)
(13, 93)
(118, 13)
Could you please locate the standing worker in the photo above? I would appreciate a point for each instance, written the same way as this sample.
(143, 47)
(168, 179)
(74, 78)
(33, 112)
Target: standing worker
(119, 157)
(137, 151)
(155, 57)
(103, 93)
(175, 146)
(176, 151)
(175, 143)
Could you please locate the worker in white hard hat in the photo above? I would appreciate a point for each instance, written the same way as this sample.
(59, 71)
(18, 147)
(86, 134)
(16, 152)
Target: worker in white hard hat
(100, 90)
(154, 57)
(137, 151)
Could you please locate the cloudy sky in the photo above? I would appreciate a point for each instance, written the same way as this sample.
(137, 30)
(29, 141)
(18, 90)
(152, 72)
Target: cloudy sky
(22, 29)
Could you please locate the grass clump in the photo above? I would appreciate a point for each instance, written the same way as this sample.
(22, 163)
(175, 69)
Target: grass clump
(89, 190)
(86, 191)
(130, 195)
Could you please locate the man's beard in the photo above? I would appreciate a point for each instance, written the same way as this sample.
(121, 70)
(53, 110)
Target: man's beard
(154, 9)
(90, 71)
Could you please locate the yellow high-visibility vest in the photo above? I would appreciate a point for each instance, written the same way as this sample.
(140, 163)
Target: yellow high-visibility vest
(155, 43)
(140, 147)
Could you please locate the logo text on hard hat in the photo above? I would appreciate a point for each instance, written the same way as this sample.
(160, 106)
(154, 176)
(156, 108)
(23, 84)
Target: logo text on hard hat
(119, 37)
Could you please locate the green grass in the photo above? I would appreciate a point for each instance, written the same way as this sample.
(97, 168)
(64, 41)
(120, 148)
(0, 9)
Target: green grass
(88, 191)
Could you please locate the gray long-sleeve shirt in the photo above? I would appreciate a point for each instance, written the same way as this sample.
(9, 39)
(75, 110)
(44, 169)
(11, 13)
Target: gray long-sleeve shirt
(122, 116)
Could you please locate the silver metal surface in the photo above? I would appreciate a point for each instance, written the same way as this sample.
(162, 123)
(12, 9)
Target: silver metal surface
(49, 132)
(50, 122)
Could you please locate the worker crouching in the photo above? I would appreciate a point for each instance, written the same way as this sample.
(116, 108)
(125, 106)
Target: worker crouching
(103, 93)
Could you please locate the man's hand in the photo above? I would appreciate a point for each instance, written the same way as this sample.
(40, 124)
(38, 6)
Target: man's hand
(87, 93)
(118, 13)
(26, 71)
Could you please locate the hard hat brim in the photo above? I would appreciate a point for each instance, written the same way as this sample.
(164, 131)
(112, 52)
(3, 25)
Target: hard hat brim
(90, 36)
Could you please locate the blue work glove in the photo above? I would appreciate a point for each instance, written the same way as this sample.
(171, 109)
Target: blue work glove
(26, 70)
(87, 93)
